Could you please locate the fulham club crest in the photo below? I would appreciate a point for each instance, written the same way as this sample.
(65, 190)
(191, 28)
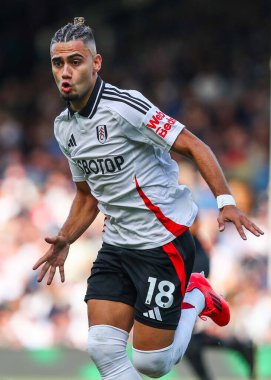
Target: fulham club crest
(101, 133)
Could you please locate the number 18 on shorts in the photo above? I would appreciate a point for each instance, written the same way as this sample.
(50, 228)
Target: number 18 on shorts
(153, 281)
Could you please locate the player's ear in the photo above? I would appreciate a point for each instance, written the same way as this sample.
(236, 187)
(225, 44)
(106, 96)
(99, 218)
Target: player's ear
(97, 62)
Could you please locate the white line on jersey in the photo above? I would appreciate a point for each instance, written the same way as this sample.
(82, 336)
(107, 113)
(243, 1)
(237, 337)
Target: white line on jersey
(126, 95)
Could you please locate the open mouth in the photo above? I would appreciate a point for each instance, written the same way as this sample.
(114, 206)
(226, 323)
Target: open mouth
(66, 87)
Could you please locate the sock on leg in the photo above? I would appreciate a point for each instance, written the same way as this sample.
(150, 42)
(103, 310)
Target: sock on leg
(183, 333)
(196, 299)
(193, 304)
(107, 348)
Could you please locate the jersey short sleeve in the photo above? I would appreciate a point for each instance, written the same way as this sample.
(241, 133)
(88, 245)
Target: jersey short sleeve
(154, 126)
(78, 174)
(160, 129)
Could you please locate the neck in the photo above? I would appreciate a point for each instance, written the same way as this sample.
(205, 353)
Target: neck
(78, 105)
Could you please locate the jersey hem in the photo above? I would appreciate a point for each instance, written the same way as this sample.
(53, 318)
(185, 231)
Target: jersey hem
(79, 179)
(173, 137)
(159, 325)
(147, 245)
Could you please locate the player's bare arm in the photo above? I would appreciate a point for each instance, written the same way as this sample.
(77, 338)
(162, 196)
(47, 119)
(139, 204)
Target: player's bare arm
(82, 213)
(192, 147)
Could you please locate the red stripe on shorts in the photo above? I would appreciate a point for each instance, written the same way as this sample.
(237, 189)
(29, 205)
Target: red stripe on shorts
(178, 263)
(173, 227)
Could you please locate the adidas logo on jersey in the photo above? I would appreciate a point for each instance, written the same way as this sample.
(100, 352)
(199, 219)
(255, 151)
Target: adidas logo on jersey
(153, 314)
(72, 141)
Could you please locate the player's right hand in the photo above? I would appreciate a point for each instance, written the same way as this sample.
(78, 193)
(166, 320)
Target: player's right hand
(53, 258)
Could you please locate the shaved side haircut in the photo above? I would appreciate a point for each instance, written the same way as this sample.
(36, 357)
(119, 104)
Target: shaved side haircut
(76, 31)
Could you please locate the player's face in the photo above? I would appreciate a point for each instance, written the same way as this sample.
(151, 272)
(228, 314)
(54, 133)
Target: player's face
(75, 71)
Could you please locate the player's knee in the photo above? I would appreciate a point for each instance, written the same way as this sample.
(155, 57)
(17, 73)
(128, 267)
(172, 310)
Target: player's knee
(106, 344)
(98, 348)
(153, 363)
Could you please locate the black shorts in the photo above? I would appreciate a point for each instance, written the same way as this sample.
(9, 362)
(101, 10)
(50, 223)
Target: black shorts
(153, 281)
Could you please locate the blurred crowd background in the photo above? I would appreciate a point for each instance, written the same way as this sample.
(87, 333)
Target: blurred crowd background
(202, 62)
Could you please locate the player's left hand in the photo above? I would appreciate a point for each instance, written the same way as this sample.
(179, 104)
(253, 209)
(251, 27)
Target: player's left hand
(239, 219)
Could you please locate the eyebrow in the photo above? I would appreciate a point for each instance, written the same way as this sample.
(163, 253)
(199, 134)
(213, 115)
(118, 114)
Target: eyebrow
(69, 57)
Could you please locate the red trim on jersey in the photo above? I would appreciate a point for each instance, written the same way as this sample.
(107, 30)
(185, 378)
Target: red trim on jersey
(175, 228)
(186, 305)
(178, 263)
(105, 218)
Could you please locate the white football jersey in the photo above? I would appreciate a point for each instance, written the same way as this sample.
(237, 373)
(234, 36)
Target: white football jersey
(119, 144)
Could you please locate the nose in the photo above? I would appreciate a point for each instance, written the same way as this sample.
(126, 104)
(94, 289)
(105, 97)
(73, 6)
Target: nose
(66, 72)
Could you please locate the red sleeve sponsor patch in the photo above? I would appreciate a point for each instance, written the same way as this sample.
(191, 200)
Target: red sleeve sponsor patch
(161, 123)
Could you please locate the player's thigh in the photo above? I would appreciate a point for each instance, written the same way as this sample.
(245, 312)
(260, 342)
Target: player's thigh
(110, 294)
(104, 312)
(148, 338)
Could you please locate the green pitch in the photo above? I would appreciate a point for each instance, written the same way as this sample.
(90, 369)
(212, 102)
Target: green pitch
(90, 378)
(171, 376)
(98, 378)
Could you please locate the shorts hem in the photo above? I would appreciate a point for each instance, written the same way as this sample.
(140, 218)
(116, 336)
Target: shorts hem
(108, 298)
(156, 324)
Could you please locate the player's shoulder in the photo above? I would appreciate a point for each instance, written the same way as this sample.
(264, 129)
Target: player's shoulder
(111, 89)
(132, 105)
(63, 116)
(59, 122)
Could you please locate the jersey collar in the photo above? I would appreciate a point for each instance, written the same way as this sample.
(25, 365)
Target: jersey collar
(93, 101)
